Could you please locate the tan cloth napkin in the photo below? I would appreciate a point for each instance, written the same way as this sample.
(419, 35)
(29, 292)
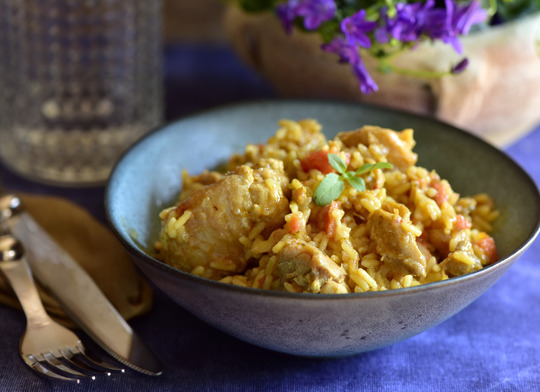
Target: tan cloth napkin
(95, 248)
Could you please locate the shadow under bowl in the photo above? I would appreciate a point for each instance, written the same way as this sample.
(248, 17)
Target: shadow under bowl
(148, 178)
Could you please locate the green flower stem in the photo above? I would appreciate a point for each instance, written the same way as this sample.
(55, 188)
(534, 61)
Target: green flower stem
(492, 8)
(372, 12)
(391, 8)
(388, 67)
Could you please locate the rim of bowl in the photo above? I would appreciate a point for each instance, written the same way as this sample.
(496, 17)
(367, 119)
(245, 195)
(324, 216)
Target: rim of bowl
(142, 255)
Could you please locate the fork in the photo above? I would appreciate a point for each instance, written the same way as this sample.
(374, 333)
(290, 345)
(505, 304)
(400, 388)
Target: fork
(47, 347)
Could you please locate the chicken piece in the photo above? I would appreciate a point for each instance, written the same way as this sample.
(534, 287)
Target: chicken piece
(205, 229)
(192, 183)
(396, 243)
(308, 269)
(399, 145)
(461, 261)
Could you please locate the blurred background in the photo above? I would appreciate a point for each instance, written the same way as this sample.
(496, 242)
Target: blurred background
(496, 99)
(195, 45)
(193, 21)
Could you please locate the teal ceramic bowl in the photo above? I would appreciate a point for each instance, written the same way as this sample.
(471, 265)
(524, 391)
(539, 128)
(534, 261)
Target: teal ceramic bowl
(147, 178)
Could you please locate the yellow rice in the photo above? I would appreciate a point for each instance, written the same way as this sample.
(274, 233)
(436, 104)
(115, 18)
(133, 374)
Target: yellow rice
(350, 247)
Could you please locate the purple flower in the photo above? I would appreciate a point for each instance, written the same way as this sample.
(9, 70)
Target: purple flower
(414, 20)
(286, 13)
(466, 16)
(314, 12)
(408, 24)
(461, 66)
(355, 28)
(348, 53)
(366, 83)
(448, 24)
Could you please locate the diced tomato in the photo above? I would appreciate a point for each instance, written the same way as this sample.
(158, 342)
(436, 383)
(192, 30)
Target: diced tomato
(319, 160)
(461, 223)
(294, 224)
(487, 243)
(442, 195)
(326, 220)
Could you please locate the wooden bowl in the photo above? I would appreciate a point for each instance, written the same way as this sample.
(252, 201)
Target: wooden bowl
(496, 98)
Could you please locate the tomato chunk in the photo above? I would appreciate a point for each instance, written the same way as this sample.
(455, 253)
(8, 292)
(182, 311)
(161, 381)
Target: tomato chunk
(487, 243)
(319, 160)
(442, 195)
(326, 220)
(294, 224)
(462, 223)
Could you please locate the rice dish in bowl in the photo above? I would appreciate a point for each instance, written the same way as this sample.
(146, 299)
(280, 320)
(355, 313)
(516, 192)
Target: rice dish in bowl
(280, 216)
(147, 180)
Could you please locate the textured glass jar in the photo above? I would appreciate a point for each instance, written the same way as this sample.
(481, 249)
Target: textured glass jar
(80, 81)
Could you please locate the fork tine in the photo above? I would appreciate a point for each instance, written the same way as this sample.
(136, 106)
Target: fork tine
(93, 360)
(76, 362)
(57, 364)
(38, 367)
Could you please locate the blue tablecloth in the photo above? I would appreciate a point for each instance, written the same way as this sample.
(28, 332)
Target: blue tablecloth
(492, 345)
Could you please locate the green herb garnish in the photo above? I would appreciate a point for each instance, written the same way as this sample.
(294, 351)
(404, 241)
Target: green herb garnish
(333, 184)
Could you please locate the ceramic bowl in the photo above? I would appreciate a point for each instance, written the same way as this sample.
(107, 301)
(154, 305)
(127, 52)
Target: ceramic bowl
(148, 178)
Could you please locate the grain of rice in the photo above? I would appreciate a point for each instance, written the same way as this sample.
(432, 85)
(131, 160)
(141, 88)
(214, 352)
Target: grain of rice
(350, 254)
(239, 281)
(268, 280)
(260, 276)
(289, 287)
(394, 284)
(259, 227)
(199, 270)
(171, 228)
(463, 257)
(223, 265)
(481, 223)
(362, 278)
(382, 282)
(370, 261)
(245, 241)
(406, 281)
(281, 243)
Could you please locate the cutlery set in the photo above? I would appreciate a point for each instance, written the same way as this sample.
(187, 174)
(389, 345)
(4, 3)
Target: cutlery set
(48, 348)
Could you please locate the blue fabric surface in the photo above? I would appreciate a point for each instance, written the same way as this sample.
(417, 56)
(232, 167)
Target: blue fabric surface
(492, 345)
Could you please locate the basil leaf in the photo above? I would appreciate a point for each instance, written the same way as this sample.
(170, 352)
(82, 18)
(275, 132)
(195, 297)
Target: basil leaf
(357, 183)
(381, 165)
(363, 169)
(329, 189)
(372, 166)
(333, 184)
(337, 163)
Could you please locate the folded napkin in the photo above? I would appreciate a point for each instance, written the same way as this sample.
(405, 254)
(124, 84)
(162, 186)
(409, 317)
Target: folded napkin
(95, 248)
